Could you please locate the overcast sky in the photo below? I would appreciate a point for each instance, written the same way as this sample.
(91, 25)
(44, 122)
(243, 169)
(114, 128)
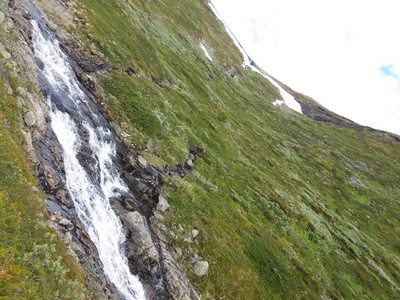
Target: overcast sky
(344, 54)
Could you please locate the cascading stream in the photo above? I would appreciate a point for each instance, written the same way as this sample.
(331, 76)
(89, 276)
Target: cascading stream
(93, 179)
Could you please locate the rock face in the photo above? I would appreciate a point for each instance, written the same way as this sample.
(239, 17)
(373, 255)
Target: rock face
(163, 204)
(51, 177)
(176, 279)
(141, 236)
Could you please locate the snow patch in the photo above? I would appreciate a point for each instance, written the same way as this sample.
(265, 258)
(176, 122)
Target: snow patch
(278, 102)
(205, 51)
(287, 98)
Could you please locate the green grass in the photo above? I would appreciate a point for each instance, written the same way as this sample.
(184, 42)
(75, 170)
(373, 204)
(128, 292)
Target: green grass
(278, 219)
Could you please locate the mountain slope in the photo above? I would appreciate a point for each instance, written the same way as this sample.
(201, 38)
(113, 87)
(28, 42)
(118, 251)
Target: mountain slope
(286, 207)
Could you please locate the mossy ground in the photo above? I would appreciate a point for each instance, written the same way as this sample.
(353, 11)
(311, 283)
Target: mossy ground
(271, 195)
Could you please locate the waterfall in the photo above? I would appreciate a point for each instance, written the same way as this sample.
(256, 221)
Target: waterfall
(88, 151)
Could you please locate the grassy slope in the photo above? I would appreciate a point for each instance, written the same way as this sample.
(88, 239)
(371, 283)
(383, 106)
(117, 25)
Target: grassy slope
(277, 216)
(33, 259)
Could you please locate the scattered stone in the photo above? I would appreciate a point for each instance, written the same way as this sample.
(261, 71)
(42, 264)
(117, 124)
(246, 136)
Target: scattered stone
(142, 161)
(356, 182)
(60, 196)
(363, 165)
(30, 118)
(158, 216)
(66, 223)
(195, 233)
(200, 268)
(152, 145)
(163, 204)
(28, 147)
(9, 88)
(57, 215)
(188, 239)
(78, 250)
(179, 251)
(51, 177)
(20, 102)
(186, 297)
(67, 237)
(190, 163)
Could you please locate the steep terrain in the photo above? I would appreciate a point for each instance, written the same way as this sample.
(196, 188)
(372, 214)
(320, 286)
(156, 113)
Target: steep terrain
(265, 203)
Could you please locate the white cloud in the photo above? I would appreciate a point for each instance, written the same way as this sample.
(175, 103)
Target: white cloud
(332, 51)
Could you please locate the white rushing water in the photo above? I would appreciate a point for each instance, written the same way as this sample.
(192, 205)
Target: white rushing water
(90, 193)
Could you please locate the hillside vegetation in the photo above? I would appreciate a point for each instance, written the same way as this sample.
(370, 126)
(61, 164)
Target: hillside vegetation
(287, 207)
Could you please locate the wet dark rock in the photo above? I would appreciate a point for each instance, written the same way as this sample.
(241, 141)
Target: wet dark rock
(155, 80)
(130, 71)
(39, 63)
(87, 64)
(187, 167)
(129, 202)
(60, 196)
(51, 177)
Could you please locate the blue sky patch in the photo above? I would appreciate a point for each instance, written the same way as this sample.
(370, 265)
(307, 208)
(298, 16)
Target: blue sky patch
(390, 71)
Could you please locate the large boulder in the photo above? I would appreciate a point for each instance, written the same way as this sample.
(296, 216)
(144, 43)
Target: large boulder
(141, 235)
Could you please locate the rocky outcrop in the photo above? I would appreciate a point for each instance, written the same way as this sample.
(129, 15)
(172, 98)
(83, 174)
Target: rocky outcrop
(176, 279)
(141, 235)
(182, 170)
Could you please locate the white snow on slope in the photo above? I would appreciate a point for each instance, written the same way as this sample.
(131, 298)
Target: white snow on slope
(205, 51)
(287, 98)
(278, 102)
